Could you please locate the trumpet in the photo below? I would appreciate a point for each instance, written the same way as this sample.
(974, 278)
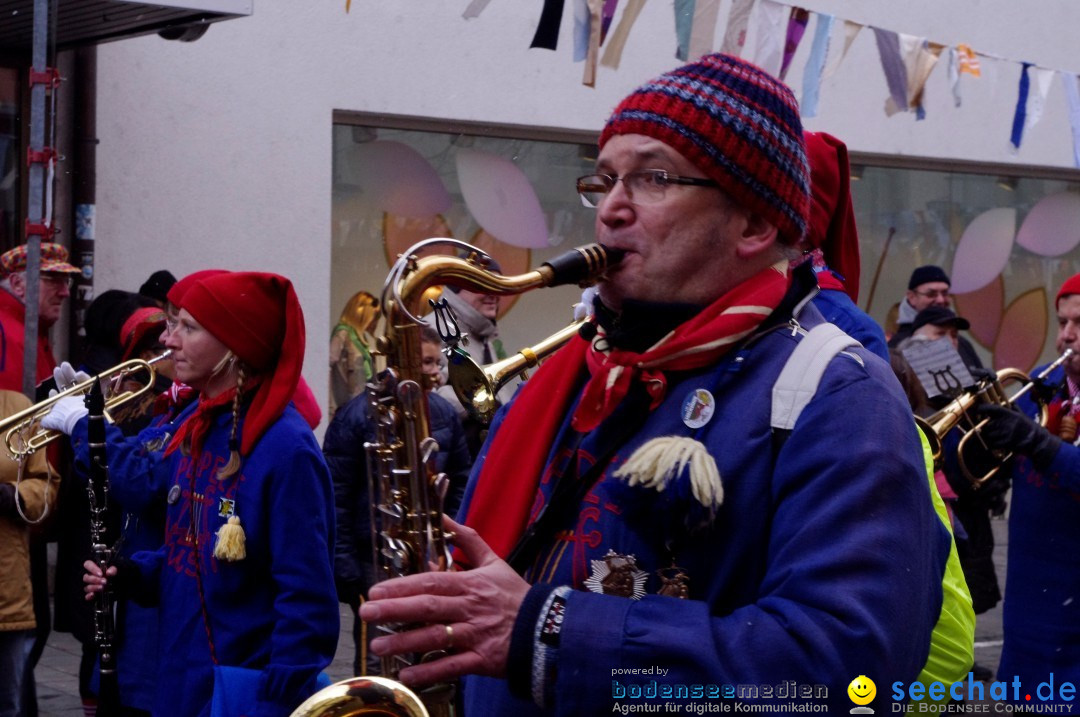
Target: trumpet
(22, 433)
(978, 461)
(477, 386)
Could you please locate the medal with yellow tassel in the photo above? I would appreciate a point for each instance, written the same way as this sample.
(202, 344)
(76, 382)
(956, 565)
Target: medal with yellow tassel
(229, 545)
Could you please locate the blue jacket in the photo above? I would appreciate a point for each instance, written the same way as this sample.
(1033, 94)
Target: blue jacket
(138, 485)
(823, 563)
(343, 448)
(275, 610)
(1041, 614)
(838, 308)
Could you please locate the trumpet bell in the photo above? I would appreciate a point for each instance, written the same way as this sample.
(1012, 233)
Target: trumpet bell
(978, 461)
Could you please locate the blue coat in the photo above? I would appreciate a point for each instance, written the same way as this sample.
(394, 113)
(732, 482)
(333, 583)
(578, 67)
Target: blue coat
(823, 563)
(343, 448)
(275, 610)
(1041, 614)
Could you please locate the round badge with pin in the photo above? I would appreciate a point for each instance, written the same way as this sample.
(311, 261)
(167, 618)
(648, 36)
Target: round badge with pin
(174, 494)
(698, 408)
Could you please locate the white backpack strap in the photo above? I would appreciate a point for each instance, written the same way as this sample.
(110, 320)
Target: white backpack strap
(799, 379)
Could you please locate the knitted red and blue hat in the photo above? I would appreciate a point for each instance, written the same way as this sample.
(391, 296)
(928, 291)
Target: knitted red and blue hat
(737, 124)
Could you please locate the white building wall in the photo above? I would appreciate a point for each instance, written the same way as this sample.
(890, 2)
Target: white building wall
(217, 153)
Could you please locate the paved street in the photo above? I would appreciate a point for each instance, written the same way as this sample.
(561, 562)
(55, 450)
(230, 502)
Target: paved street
(58, 684)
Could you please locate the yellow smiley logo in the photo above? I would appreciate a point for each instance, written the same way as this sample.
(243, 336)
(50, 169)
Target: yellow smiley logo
(862, 690)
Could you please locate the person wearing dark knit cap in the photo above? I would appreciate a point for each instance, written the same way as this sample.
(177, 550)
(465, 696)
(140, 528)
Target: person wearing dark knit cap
(643, 501)
(929, 286)
(1040, 619)
(157, 286)
(832, 242)
(244, 578)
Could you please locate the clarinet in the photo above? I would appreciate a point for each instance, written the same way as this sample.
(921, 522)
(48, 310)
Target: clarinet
(103, 551)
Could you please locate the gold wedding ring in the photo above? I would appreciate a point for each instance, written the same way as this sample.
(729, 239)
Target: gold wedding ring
(449, 637)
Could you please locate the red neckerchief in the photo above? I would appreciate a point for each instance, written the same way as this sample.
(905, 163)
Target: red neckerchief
(696, 343)
(507, 484)
(199, 424)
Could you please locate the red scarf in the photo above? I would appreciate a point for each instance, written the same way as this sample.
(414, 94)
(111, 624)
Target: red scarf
(507, 484)
(199, 424)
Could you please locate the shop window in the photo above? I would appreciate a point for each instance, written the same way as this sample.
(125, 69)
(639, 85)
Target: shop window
(515, 198)
(1007, 243)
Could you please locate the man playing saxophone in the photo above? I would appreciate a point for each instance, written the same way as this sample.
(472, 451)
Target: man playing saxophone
(1041, 623)
(634, 519)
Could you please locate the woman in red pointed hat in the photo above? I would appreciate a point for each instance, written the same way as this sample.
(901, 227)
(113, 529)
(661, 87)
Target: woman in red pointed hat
(244, 578)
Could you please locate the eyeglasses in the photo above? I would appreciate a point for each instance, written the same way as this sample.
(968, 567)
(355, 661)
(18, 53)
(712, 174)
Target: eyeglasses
(645, 186)
(57, 280)
(933, 294)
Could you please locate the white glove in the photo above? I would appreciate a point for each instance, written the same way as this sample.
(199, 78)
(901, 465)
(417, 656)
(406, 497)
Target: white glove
(66, 376)
(65, 414)
(584, 308)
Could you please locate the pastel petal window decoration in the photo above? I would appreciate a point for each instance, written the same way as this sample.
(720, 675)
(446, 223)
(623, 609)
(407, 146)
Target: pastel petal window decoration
(394, 178)
(1052, 227)
(983, 249)
(983, 308)
(1023, 331)
(501, 199)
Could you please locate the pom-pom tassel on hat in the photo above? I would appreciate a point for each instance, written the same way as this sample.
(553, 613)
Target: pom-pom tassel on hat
(661, 460)
(230, 541)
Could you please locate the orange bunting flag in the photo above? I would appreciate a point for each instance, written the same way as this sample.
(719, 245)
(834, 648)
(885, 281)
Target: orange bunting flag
(968, 61)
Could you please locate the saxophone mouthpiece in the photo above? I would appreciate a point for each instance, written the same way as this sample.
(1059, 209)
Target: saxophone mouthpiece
(583, 265)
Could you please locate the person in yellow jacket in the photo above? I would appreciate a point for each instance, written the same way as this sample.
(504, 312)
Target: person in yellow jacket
(24, 501)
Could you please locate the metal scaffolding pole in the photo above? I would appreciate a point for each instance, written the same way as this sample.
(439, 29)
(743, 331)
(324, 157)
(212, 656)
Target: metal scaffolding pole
(35, 211)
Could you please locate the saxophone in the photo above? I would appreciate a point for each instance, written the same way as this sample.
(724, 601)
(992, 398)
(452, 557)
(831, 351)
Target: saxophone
(406, 494)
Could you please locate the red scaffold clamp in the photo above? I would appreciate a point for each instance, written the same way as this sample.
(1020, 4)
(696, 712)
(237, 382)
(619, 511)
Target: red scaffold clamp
(50, 78)
(45, 231)
(45, 155)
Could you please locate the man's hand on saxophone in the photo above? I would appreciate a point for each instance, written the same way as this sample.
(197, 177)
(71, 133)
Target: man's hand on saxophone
(468, 613)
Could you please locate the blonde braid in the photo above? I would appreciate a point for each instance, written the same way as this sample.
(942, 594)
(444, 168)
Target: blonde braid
(233, 465)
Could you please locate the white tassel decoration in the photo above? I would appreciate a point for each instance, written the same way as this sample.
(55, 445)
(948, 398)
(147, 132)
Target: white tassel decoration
(660, 460)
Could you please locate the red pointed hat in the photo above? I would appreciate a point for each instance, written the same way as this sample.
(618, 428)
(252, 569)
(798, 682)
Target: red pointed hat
(176, 293)
(832, 218)
(258, 317)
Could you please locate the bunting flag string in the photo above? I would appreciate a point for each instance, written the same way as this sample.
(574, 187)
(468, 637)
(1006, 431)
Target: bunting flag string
(582, 19)
(777, 30)
(795, 30)
(769, 23)
(684, 21)
(1072, 97)
(609, 15)
(815, 65)
(1037, 99)
(613, 54)
(547, 30)
(592, 52)
(1021, 108)
(738, 20)
(474, 9)
(704, 28)
(888, 45)
(851, 31)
